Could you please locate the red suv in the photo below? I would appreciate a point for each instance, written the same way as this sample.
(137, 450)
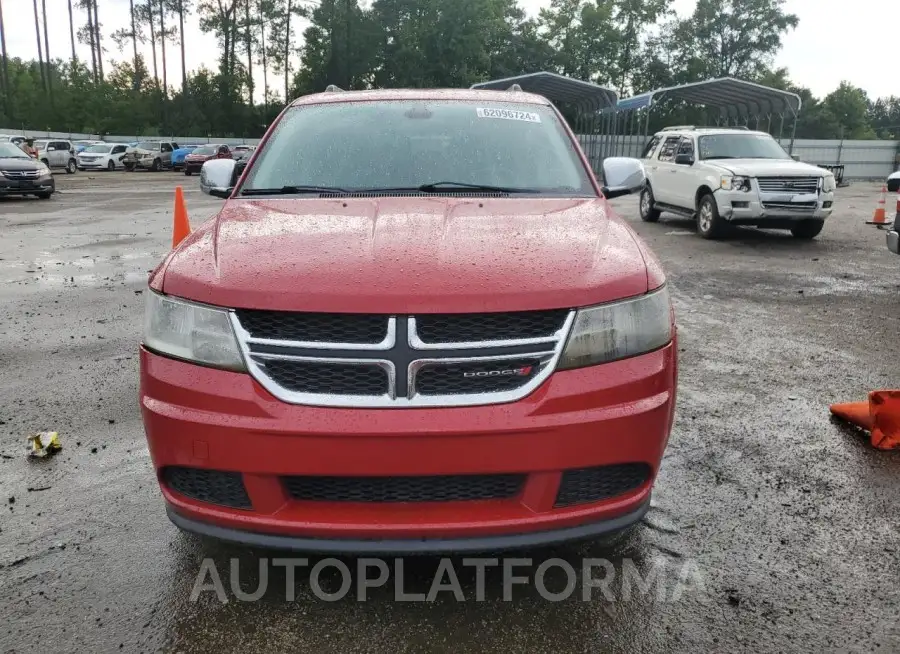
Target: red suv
(415, 325)
(194, 161)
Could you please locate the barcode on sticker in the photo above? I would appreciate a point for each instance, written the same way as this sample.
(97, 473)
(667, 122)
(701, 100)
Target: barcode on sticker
(508, 114)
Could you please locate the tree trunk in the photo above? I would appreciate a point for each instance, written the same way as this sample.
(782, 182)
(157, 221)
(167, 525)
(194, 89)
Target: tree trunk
(47, 53)
(181, 31)
(153, 43)
(72, 32)
(287, 47)
(249, 41)
(91, 39)
(162, 38)
(262, 37)
(98, 40)
(37, 32)
(4, 72)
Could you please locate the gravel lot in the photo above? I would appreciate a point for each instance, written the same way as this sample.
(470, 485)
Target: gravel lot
(790, 519)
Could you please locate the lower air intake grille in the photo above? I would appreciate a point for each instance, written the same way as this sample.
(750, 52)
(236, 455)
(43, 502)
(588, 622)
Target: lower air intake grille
(450, 488)
(213, 486)
(328, 378)
(594, 484)
(475, 377)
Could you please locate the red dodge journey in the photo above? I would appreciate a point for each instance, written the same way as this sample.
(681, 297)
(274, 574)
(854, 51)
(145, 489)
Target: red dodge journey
(415, 325)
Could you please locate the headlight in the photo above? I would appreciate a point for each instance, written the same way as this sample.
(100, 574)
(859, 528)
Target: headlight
(735, 183)
(146, 156)
(43, 170)
(192, 332)
(828, 183)
(617, 330)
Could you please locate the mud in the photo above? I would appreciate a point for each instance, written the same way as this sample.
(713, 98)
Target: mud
(790, 519)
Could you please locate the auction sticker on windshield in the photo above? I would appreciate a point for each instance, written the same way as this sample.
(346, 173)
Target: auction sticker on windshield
(508, 114)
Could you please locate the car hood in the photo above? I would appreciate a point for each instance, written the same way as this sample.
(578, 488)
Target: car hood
(139, 151)
(405, 255)
(15, 163)
(768, 167)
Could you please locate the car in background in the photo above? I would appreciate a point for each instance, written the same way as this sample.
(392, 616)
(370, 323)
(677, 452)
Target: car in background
(57, 154)
(152, 155)
(180, 153)
(195, 160)
(23, 175)
(102, 156)
(241, 150)
(15, 139)
(243, 157)
(893, 182)
(81, 146)
(722, 177)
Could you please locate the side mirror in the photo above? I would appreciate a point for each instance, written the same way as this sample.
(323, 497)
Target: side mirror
(684, 159)
(622, 175)
(50, 148)
(217, 177)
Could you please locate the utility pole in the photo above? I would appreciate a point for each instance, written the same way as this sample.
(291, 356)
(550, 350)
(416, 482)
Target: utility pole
(37, 32)
(47, 54)
(99, 44)
(287, 47)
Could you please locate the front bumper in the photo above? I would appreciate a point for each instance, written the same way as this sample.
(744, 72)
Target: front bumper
(12, 187)
(616, 413)
(751, 207)
(94, 164)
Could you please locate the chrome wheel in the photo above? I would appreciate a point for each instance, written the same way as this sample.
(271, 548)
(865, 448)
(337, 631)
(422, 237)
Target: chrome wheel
(645, 204)
(705, 218)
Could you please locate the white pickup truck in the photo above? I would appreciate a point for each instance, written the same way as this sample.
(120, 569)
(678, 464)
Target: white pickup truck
(733, 176)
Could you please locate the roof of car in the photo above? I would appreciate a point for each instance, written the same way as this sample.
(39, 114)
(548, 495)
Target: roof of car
(708, 130)
(421, 94)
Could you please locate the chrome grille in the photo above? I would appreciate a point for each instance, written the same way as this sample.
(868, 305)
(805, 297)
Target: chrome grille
(784, 185)
(21, 174)
(794, 207)
(401, 361)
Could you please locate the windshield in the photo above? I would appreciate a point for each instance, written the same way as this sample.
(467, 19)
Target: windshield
(740, 146)
(148, 145)
(205, 150)
(405, 144)
(10, 151)
(40, 145)
(103, 149)
(84, 143)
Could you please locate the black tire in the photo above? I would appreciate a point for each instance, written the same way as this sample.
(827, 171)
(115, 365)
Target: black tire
(807, 229)
(893, 185)
(46, 162)
(709, 223)
(648, 213)
(154, 167)
(129, 168)
(111, 165)
(187, 173)
(45, 195)
(71, 167)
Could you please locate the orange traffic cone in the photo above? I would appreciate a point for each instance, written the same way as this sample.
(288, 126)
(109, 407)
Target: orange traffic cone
(880, 416)
(181, 227)
(880, 217)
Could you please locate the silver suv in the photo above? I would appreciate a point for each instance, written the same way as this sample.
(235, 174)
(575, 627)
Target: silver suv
(152, 155)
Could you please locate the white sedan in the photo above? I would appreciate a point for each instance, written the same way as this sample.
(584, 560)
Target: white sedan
(102, 156)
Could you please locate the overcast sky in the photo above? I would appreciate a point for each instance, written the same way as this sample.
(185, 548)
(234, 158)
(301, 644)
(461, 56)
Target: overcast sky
(836, 40)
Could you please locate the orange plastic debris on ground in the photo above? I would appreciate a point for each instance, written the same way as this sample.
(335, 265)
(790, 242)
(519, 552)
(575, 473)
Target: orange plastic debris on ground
(181, 227)
(880, 416)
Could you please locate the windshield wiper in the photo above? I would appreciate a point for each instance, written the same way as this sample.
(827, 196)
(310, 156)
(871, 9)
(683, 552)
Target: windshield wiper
(293, 190)
(437, 187)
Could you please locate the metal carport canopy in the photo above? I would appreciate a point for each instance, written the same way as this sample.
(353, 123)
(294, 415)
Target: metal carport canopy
(734, 96)
(558, 89)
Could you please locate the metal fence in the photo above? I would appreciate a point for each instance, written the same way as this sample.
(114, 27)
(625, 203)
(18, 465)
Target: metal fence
(117, 138)
(861, 159)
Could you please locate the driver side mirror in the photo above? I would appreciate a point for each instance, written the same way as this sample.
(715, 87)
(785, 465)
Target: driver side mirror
(218, 177)
(684, 159)
(622, 176)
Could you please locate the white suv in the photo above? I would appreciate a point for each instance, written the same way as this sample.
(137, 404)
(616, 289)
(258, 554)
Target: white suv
(733, 176)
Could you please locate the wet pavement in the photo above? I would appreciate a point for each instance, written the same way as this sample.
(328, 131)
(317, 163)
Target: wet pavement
(782, 524)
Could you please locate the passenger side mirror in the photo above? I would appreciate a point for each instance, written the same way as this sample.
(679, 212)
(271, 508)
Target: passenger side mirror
(684, 159)
(218, 177)
(621, 176)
